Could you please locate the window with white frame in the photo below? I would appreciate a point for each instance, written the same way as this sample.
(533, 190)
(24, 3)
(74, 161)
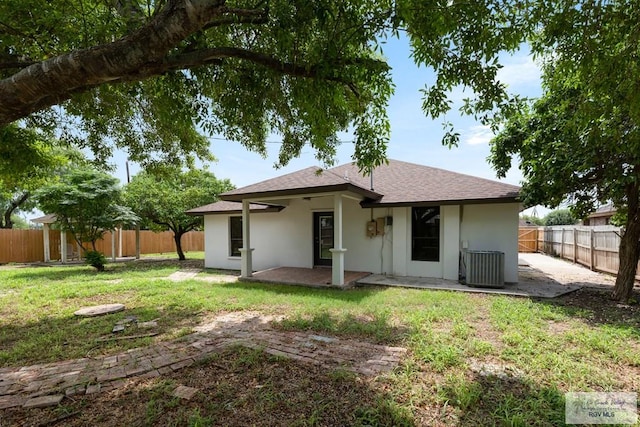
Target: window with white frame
(235, 235)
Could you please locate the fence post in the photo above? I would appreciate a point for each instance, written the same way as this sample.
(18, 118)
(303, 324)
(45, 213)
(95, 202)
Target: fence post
(575, 244)
(591, 249)
(562, 244)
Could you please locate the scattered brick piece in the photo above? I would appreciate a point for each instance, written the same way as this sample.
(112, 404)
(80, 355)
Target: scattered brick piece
(149, 324)
(151, 374)
(184, 392)
(93, 388)
(72, 391)
(43, 401)
(10, 401)
(183, 364)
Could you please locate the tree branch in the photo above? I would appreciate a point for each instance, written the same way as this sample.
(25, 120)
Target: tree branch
(145, 53)
(52, 81)
(240, 16)
(211, 55)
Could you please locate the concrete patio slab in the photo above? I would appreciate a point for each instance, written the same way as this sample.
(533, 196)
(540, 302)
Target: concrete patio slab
(185, 274)
(540, 267)
(317, 277)
(537, 290)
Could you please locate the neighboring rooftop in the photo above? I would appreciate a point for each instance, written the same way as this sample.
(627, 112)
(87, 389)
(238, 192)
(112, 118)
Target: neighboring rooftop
(224, 207)
(604, 210)
(46, 219)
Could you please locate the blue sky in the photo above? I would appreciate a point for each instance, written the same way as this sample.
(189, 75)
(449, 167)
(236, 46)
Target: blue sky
(414, 137)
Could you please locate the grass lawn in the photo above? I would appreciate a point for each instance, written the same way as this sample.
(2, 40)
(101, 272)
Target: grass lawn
(472, 360)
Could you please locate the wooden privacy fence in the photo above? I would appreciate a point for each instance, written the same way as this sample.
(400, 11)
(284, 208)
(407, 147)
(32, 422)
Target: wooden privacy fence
(594, 247)
(528, 239)
(28, 245)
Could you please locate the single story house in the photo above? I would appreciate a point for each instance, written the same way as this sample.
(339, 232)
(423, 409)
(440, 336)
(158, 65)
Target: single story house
(404, 219)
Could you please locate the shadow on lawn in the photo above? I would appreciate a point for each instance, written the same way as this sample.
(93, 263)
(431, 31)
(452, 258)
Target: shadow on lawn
(376, 328)
(505, 400)
(352, 294)
(594, 307)
(83, 271)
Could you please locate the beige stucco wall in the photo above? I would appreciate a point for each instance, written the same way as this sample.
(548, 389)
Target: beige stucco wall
(286, 238)
(493, 228)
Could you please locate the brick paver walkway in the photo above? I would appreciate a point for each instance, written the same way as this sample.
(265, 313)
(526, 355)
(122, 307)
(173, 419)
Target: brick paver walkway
(28, 385)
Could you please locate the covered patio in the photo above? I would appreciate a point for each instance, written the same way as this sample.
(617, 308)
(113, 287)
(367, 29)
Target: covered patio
(317, 186)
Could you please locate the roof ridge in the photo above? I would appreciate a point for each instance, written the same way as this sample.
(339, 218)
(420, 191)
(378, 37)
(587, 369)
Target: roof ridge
(349, 180)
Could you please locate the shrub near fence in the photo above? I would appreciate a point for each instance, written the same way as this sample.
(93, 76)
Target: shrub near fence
(594, 247)
(28, 246)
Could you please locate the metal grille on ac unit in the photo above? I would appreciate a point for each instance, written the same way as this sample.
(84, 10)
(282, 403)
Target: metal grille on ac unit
(484, 269)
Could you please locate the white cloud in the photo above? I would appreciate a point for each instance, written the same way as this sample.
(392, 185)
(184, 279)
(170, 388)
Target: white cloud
(519, 70)
(478, 134)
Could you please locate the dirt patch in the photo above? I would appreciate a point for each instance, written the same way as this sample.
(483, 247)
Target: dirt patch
(483, 328)
(247, 320)
(558, 328)
(596, 307)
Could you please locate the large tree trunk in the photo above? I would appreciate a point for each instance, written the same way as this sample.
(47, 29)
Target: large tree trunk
(177, 237)
(7, 223)
(13, 205)
(629, 250)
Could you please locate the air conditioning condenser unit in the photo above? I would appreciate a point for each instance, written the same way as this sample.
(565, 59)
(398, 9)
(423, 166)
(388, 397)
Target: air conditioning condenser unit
(483, 269)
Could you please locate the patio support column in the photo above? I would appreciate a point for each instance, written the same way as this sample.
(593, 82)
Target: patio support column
(337, 266)
(246, 268)
(63, 246)
(47, 251)
(113, 245)
(120, 241)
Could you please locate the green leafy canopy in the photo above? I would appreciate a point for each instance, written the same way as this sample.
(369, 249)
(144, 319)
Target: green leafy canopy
(156, 77)
(161, 198)
(28, 160)
(581, 141)
(86, 203)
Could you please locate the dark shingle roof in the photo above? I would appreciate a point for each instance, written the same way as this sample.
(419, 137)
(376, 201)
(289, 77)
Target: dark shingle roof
(301, 182)
(395, 184)
(223, 207)
(403, 183)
